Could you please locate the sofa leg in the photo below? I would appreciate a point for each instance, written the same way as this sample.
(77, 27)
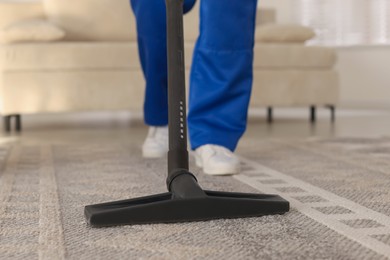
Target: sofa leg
(7, 123)
(332, 109)
(313, 114)
(270, 117)
(18, 123)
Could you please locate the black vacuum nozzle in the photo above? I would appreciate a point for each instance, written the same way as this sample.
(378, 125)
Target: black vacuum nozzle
(162, 208)
(191, 206)
(186, 200)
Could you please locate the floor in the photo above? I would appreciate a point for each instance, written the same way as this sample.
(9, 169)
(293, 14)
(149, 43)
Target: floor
(336, 177)
(124, 127)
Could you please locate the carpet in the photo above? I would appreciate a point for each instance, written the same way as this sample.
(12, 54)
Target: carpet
(339, 191)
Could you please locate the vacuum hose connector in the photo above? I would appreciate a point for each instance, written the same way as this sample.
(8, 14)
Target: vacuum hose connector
(184, 185)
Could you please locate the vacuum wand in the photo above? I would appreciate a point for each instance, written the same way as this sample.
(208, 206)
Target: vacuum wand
(178, 155)
(186, 200)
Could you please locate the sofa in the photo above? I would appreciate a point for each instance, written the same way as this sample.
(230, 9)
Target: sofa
(94, 65)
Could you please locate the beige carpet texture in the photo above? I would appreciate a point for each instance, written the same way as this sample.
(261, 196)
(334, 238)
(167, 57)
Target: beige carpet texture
(339, 190)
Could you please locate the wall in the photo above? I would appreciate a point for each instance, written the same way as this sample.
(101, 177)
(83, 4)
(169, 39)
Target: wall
(365, 76)
(364, 71)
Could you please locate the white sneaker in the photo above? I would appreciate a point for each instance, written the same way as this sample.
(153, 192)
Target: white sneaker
(156, 143)
(217, 160)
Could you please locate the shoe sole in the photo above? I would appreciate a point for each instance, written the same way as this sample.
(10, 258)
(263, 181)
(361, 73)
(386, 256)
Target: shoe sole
(221, 172)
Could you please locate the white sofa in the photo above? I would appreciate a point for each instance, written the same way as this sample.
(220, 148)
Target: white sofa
(96, 67)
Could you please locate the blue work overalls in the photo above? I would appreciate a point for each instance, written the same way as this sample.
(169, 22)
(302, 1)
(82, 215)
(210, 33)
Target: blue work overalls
(221, 75)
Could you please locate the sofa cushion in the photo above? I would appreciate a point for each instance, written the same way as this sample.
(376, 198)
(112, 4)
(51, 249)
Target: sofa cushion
(69, 55)
(13, 11)
(74, 55)
(93, 55)
(31, 30)
(94, 20)
(282, 56)
(284, 33)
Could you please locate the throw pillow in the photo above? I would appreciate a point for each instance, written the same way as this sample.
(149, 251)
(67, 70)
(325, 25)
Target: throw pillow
(31, 30)
(280, 33)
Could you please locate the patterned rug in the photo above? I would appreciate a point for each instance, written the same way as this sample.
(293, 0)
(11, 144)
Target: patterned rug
(339, 191)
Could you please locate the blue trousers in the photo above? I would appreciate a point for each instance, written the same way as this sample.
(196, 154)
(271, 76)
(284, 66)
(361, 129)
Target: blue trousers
(222, 69)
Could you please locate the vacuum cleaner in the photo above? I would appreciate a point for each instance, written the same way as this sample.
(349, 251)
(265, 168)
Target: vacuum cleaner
(185, 200)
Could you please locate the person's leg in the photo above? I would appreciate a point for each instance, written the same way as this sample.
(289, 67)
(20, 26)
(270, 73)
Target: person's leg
(221, 77)
(151, 28)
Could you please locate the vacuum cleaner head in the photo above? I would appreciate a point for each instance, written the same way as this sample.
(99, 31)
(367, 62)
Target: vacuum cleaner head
(186, 202)
(162, 208)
